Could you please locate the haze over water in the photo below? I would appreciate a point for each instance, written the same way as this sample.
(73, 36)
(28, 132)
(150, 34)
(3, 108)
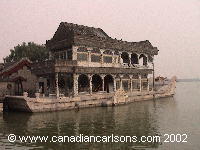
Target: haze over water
(168, 115)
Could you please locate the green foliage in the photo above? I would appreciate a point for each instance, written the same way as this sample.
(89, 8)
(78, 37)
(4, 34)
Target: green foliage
(33, 51)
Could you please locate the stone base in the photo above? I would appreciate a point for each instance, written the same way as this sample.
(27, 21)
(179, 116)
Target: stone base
(23, 103)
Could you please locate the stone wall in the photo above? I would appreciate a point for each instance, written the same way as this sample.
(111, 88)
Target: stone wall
(29, 85)
(4, 90)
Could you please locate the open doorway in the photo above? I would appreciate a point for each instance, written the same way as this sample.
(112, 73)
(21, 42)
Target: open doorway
(96, 83)
(108, 83)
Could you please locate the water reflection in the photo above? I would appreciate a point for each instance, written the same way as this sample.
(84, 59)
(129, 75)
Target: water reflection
(136, 119)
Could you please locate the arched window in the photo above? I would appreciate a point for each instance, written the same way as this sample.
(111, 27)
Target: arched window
(134, 58)
(97, 83)
(83, 83)
(125, 57)
(108, 83)
(126, 82)
(143, 60)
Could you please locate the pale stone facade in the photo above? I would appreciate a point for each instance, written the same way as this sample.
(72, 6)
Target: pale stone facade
(85, 60)
(98, 63)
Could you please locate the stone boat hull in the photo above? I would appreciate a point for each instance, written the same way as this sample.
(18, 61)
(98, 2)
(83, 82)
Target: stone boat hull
(44, 104)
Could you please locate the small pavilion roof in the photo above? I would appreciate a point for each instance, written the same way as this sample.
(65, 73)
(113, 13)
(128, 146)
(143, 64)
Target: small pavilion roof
(15, 66)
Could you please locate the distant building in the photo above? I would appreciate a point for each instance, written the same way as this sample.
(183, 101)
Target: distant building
(16, 77)
(86, 60)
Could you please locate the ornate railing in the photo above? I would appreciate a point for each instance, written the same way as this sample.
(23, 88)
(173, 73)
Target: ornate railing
(65, 63)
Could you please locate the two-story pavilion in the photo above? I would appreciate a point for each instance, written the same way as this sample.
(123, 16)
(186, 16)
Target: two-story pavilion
(86, 60)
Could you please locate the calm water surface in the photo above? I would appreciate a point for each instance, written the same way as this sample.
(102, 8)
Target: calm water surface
(180, 114)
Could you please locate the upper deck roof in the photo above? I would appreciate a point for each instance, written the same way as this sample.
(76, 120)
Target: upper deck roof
(69, 34)
(85, 30)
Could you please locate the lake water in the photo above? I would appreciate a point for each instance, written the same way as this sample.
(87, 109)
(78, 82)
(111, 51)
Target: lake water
(177, 115)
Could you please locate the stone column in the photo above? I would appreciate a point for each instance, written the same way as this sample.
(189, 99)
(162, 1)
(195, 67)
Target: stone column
(90, 83)
(74, 52)
(89, 56)
(131, 80)
(121, 76)
(138, 56)
(113, 57)
(102, 56)
(59, 56)
(139, 61)
(147, 84)
(140, 79)
(114, 82)
(57, 86)
(66, 55)
(120, 58)
(147, 60)
(75, 84)
(102, 77)
(129, 54)
(103, 84)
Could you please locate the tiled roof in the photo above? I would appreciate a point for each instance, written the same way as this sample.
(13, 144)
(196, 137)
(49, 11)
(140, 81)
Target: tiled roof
(14, 66)
(72, 34)
(85, 30)
(114, 44)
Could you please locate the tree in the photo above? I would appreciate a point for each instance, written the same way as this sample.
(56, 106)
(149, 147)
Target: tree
(33, 51)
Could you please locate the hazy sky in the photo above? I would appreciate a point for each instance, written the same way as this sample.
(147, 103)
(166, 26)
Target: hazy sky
(171, 25)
